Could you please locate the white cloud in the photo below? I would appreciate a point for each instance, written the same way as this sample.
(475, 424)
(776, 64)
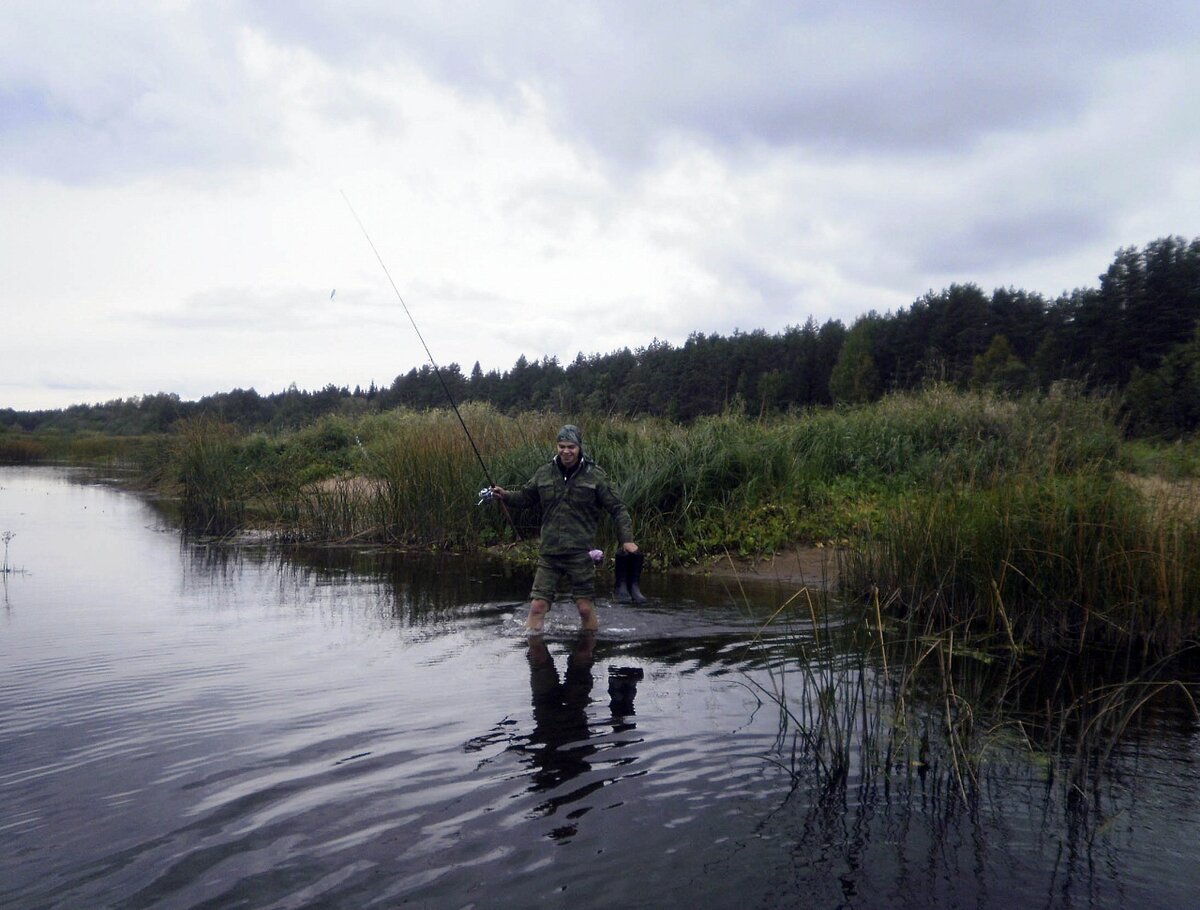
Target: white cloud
(97, 92)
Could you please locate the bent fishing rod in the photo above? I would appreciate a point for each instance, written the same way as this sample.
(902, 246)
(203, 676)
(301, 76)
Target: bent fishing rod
(433, 363)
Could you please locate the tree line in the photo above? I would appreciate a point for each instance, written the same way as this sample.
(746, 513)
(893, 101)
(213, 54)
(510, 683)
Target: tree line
(1136, 335)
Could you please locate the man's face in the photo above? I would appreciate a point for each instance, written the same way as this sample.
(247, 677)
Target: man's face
(568, 454)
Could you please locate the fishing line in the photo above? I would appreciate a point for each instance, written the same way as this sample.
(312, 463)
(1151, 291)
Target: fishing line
(436, 371)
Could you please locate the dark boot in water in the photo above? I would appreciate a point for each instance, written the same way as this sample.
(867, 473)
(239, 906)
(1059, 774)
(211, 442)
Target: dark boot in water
(633, 576)
(621, 572)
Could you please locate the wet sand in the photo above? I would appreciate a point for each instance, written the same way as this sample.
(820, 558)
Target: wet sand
(812, 566)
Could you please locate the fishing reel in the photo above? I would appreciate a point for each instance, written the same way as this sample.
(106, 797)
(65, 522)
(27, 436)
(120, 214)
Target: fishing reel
(484, 495)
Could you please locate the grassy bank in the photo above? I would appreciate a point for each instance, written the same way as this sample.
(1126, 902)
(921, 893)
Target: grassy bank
(1063, 541)
(723, 483)
(1025, 520)
(91, 449)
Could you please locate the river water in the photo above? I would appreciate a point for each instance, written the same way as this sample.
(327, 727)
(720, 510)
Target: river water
(186, 724)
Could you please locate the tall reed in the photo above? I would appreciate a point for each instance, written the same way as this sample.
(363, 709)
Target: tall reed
(1063, 560)
(21, 450)
(413, 479)
(870, 699)
(213, 477)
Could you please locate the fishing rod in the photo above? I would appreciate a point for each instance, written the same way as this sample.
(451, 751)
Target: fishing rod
(486, 492)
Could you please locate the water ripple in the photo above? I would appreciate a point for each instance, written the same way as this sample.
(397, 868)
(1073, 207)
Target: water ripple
(212, 728)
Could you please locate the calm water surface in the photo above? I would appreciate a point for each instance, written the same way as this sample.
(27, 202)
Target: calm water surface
(184, 724)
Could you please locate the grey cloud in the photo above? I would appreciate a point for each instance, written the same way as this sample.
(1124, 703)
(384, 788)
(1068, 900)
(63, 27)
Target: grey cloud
(156, 87)
(59, 381)
(991, 242)
(835, 78)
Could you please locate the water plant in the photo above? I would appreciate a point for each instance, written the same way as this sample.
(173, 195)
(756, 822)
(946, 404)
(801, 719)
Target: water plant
(214, 478)
(871, 701)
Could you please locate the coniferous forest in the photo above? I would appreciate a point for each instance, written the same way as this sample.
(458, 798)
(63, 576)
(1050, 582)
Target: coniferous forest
(1135, 336)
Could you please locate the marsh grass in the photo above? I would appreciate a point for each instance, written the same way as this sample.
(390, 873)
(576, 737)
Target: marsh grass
(22, 450)
(1032, 534)
(213, 474)
(1059, 561)
(410, 478)
(871, 702)
(822, 699)
(428, 478)
(1178, 460)
(82, 448)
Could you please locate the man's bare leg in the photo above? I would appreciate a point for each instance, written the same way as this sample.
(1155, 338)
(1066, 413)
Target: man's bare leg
(538, 609)
(588, 620)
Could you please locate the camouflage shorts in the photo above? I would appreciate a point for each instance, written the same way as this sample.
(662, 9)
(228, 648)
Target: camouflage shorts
(578, 569)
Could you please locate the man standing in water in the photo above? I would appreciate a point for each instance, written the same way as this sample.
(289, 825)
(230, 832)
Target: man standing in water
(572, 491)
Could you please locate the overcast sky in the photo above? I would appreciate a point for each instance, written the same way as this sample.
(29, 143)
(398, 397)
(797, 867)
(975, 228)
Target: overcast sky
(546, 179)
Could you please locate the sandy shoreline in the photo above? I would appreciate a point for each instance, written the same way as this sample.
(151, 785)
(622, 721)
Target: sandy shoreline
(812, 566)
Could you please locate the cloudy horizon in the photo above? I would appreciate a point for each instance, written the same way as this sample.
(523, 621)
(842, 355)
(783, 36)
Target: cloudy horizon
(551, 180)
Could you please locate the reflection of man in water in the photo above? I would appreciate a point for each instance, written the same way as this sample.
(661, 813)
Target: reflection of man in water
(622, 687)
(572, 491)
(558, 742)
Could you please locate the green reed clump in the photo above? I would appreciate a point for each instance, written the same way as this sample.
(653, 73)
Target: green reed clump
(213, 475)
(412, 478)
(21, 450)
(1058, 561)
(871, 701)
(1010, 517)
(406, 477)
(973, 436)
(325, 448)
(725, 483)
(880, 702)
(88, 448)
(103, 449)
(427, 476)
(1175, 461)
(734, 484)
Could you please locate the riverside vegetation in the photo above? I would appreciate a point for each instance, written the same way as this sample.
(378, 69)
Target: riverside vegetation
(995, 545)
(1024, 517)
(1026, 578)
(1027, 519)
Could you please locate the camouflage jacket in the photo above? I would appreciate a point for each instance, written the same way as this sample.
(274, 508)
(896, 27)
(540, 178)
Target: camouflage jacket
(571, 506)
